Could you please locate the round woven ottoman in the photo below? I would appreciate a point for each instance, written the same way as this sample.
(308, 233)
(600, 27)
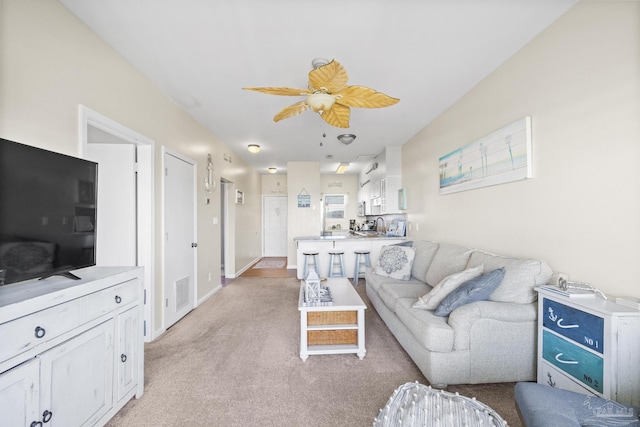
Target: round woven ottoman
(418, 405)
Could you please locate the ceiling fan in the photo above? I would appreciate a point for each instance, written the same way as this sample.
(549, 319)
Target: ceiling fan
(328, 95)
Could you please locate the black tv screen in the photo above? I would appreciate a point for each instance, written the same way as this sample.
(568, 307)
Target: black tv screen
(47, 212)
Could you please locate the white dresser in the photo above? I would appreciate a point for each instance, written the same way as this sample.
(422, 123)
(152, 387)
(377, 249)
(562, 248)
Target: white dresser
(72, 350)
(589, 345)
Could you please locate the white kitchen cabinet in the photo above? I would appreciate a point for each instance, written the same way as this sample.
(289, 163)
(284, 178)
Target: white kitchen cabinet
(382, 181)
(74, 349)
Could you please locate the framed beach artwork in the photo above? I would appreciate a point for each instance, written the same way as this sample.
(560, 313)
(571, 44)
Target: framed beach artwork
(497, 158)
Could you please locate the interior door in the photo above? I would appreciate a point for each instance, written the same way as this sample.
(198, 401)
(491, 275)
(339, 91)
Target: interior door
(275, 226)
(116, 225)
(179, 237)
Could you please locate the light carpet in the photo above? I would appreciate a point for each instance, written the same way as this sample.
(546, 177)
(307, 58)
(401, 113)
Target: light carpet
(234, 361)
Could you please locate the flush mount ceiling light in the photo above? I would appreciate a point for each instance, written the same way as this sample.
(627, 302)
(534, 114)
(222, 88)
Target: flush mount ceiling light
(346, 138)
(273, 170)
(342, 168)
(328, 95)
(253, 148)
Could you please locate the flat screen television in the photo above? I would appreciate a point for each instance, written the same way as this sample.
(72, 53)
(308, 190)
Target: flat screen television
(47, 213)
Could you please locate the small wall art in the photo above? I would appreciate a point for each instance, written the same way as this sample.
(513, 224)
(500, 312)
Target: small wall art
(497, 158)
(304, 199)
(239, 197)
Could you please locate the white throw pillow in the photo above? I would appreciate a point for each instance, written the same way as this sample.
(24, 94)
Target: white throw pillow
(396, 262)
(432, 299)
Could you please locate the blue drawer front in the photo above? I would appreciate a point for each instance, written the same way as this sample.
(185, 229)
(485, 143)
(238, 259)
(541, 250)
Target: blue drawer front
(581, 327)
(581, 364)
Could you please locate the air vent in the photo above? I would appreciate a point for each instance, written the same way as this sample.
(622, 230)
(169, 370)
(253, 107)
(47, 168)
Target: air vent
(182, 293)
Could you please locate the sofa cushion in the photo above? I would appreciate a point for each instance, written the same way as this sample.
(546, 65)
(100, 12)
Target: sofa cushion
(520, 277)
(448, 259)
(432, 332)
(396, 262)
(477, 289)
(432, 299)
(540, 405)
(390, 292)
(425, 251)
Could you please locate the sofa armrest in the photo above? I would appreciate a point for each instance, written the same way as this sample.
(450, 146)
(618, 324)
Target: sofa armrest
(483, 314)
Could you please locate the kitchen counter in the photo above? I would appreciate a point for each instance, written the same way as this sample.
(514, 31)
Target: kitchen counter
(371, 241)
(362, 235)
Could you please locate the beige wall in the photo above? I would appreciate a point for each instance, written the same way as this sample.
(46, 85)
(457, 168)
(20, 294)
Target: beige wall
(580, 82)
(302, 178)
(274, 185)
(51, 63)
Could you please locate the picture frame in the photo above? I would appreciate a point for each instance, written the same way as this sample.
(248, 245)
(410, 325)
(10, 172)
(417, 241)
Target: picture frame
(85, 193)
(304, 201)
(239, 197)
(497, 158)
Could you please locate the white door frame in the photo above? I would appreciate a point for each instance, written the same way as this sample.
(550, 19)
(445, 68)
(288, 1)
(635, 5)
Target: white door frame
(228, 229)
(192, 162)
(145, 198)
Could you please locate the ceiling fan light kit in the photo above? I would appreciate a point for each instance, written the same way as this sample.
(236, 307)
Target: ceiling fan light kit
(328, 94)
(253, 148)
(320, 102)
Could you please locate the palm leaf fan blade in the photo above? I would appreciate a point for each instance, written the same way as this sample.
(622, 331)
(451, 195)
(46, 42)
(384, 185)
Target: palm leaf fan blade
(283, 91)
(333, 77)
(291, 110)
(337, 116)
(364, 97)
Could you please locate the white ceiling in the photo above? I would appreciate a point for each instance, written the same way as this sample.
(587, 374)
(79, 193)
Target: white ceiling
(427, 53)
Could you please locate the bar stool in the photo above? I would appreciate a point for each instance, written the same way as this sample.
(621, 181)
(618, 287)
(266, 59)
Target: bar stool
(333, 265)
(360, 257)
(313, 257)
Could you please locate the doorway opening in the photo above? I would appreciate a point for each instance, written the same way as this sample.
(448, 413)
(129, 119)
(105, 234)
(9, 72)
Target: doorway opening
(95, 128)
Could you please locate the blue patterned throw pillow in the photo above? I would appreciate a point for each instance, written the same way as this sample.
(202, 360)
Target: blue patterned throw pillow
(396, 262)
(477, 289)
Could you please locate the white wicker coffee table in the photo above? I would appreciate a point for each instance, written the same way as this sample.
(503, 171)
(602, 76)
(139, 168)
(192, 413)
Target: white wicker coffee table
(333, 329)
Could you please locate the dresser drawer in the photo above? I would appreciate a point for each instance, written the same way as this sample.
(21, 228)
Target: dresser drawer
(581, 364)
(579, 326)
(29, 331)
(556, 378)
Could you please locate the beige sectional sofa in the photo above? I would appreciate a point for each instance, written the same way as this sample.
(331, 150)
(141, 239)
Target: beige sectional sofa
(492, 340)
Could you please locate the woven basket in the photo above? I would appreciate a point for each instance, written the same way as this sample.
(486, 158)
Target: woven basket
(347, 336)
(332, 318)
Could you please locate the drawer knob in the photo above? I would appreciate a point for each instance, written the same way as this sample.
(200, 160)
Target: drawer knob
(46, 416)
(123, 358)
(566, 362)
(118, 299)
(40, 332)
